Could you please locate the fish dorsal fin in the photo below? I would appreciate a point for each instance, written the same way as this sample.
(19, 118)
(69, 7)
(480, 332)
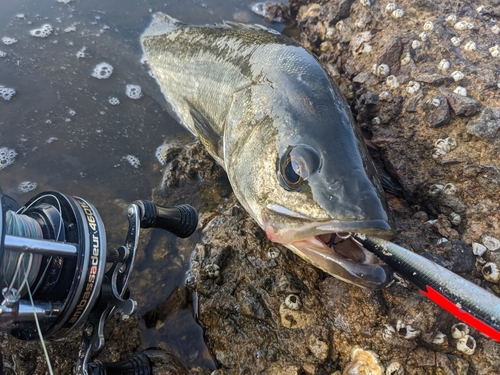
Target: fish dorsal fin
(244, 26)
(161, 23)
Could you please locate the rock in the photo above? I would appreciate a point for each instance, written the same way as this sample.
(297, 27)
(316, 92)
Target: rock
(461, 105)
(335, 11)
(433, 78)
(412, 102)
(391, 54)
(487, 126)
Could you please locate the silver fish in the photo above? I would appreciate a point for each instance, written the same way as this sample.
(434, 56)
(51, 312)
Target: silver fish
(270, 116)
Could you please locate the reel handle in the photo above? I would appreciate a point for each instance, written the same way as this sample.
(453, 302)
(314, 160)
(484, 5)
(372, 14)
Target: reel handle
(180, 220)
(138, 364)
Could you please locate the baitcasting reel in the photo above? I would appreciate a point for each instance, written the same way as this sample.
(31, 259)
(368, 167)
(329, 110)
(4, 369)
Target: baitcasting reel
(57, 272)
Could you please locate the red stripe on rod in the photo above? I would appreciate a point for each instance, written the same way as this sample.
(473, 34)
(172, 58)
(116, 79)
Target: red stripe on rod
(464, 316)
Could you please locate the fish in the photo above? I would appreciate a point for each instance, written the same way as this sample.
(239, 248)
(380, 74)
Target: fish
(267, 112)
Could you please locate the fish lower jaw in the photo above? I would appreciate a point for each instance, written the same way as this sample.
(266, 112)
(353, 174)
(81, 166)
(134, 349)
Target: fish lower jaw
(344, 258)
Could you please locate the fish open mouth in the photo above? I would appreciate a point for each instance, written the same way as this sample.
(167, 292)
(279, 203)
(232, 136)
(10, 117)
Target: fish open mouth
(343, 257)
(329, 246)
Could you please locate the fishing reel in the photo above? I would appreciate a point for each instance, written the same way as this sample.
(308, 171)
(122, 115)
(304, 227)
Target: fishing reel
(57, 273)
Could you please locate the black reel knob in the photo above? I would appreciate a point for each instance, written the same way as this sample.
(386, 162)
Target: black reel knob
(180, 220)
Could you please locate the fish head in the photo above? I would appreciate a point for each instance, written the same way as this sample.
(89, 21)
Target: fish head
(305, 175)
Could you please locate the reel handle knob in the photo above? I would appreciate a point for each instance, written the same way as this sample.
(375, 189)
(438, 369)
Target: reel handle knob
(139, 364)
(180, 220)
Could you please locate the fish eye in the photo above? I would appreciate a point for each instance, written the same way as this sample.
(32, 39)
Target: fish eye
(297, 165)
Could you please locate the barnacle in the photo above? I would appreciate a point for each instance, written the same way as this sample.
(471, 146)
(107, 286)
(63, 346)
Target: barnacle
(442, 144)
(381, 70)
(406, 58)
(491, 243)
(406, 330)
(440, 338)
(449, 189)
(435, 189)
(494, 51)
(423, 36)
(363, 362)
(452, 18)
(376, 121)
(478, 249)
(384, 95)
(212, 271)
(495, 29)
(460, 91)
(463, 25)
(398, 13)
(391, 7)
(437, 153)
(490, 272)
(292, 301)
(455, 218)
(457, 75)
(415, 44)
(456, 41)
(470, 46)
(413, 87)
(466, 345)
(459, 330)
(444, 65)
(395, 368)
(428, 26)
(392, 82)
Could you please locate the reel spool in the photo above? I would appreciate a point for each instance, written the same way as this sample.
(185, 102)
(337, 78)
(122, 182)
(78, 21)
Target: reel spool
(65, 267)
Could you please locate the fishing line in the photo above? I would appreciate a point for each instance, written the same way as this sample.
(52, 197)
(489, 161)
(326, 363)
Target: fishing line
(39, 330)
(21, 268)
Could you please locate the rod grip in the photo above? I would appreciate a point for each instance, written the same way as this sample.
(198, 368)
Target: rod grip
(180, 220)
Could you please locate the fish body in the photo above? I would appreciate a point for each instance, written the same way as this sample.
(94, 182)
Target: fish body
(270, 116)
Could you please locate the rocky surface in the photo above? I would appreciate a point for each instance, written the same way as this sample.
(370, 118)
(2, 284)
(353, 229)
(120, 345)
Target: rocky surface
(265, 311)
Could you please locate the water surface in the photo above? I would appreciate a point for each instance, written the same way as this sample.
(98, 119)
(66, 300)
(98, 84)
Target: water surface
(69, 138)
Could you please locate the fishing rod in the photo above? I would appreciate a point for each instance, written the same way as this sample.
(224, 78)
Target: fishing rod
(465, 300)
(57, 273)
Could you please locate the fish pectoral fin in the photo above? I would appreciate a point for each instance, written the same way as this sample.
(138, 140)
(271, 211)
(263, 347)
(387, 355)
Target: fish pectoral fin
(243, 26)
(207, 134)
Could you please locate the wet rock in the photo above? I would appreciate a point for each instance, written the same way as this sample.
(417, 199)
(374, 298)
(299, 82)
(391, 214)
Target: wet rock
(433, 78)
(391, 54)
(412, 103)
(487, 126)
(437, 115)
(449, 364)
(335, 11)
(461, 105)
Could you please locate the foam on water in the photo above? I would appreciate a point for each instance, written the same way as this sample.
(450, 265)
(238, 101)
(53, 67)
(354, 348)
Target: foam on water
(133, 160)
(160, 154)
(6, 93)
(42, 32)
(81, 53)
(27, 186)
(133, 91)
(102, 71)
(8, 41)
(3, 54)
(7, 157)
(114, 101)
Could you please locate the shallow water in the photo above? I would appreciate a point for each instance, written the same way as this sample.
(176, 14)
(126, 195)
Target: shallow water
(69, 138)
